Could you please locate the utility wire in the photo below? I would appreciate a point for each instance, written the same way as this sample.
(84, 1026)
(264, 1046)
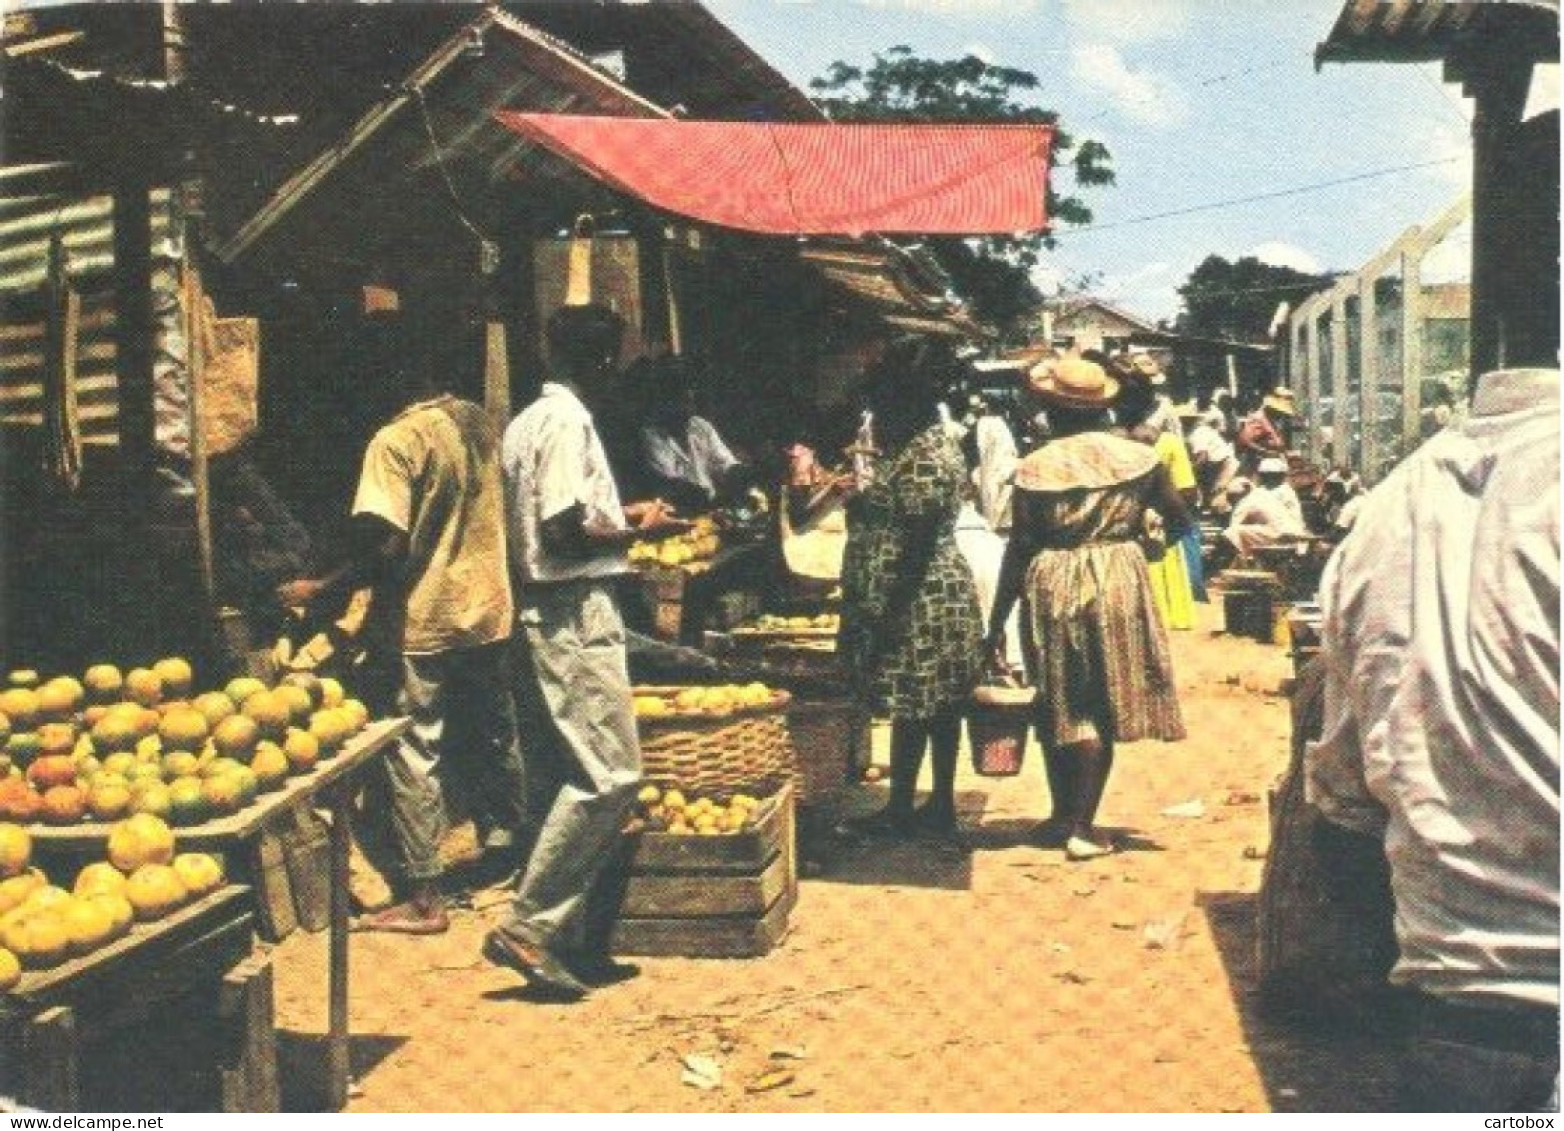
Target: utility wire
(445, 175)
(1297, 190)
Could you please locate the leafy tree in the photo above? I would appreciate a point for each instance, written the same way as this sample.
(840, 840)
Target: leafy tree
(994, 273)
(1237, 299)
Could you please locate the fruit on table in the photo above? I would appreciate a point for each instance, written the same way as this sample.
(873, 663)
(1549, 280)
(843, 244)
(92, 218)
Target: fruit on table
(20, 706)
(301, 704)
(56, 738)
(16, 849)
(301, 749)
(60, 698)
(10, 970)
(187, 801)
(19, 801)
(199, 872)
(104, 682)
(183, 728)
(312, 686)
(176, 675)
(716, 700)
(242, 687)
(120, 912)
(154, 890)
(50, 770)
(88, 924)
(108, 800)
(140, 840)
(215, 705)
(144, 686)
(332, 693)
(37, 936)
(271, 711)
(151, 797)
(270, 764)
(14, 891)
(99, 877)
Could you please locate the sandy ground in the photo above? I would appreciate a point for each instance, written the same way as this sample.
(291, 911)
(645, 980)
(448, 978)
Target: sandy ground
(914, 977)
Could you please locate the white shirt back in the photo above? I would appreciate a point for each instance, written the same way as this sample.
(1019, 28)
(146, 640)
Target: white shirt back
(553, 460)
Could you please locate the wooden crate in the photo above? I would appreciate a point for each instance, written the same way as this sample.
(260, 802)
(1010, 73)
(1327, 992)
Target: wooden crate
(712, 896)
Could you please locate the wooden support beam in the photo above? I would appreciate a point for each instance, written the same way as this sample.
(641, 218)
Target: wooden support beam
(1368, 374)
(1340, 375)
(1411, 349)
(246, 1007)
(51, 1061)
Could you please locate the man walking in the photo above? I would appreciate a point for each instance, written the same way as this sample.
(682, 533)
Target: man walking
(569, 537)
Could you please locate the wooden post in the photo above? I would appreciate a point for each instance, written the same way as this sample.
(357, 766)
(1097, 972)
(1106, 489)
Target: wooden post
(1411, 347)
(496, 372)
(247, 1009)
(339, 1065)
(51, 1061)
(1498, 87)
(1368, 374)
(192, 297)
(1340, 374)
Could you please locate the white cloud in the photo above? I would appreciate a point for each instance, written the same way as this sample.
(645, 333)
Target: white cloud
(1128, 21)
(1280, 254)
(1143, 96)
(1450, 261)
(958, 7)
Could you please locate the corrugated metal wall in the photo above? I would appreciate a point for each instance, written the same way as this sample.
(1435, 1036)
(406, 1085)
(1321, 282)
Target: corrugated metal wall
(86, 225)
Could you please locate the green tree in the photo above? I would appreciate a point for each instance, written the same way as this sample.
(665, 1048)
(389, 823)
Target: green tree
(993, 273)
(1236, 299)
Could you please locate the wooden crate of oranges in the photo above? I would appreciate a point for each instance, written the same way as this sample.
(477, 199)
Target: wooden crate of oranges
(709, 880)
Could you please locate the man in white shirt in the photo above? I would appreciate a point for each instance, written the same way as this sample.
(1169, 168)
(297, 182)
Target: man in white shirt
(996, 468)
(1441, 738)
(1215, 462)
(1263, 516)
(689, 462)
(568, 540)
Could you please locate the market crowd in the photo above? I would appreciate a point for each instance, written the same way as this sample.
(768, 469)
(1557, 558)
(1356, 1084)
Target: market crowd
(1049, 540)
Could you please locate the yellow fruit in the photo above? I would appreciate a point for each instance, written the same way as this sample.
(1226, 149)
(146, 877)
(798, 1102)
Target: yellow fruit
(271, 711)
(236, 736)
(223, 792)
(144, 686)
(99, 876)
(674, 801)
(302, 749)
(242, 688)
(20, 705)
(680, 828)
(23, 677)
(118, 909)
(14, 891)
(356, 713)
(16, 849)
(10, 970)
(176, 675)
(300, 703)
(215, 706)
(88, 925)
(120, 762)
(104, 682)
(154, 890)
(271, 764)
(45, 897)
(331, 693)
(180, 764)
(140, 840)
(330, 728)
(56, 738)
(187, 801)
(149, 749)
(649, 795)
(38, 939)
(150, 797)
(108, 801)
(200, 872)
(60, 698)
(64, 804)
(184, 728)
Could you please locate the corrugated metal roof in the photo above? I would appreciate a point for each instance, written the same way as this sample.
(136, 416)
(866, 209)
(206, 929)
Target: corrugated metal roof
(885, 278)
(1425, 30)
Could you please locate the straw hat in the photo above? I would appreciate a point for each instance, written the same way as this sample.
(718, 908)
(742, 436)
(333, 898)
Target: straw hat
(1281, 400)
(1073, 383)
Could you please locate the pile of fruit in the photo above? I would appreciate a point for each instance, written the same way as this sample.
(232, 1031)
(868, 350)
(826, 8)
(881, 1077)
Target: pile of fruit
(695, 547)
(143, 879)
(111, 744)
(770, 622)
(704, 702)
(669, 811)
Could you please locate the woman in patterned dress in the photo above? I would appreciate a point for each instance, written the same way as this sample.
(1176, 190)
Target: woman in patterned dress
(912, 629)
(1094, 643)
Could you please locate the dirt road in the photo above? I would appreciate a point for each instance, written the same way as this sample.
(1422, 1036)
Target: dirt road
(914, 978)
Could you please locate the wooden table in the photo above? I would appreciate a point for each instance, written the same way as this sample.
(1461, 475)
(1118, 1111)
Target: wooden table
(204, 948)
(329, 785)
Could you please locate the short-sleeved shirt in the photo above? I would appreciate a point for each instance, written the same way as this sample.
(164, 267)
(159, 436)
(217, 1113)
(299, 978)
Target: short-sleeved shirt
(553, 460)
(433, 473)
(699, 457)
(1175, 457)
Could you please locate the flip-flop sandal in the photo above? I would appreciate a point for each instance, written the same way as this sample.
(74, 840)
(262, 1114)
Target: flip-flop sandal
(1079, 849)
(399, 920)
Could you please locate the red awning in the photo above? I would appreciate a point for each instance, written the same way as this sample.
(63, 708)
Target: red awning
(813, 179)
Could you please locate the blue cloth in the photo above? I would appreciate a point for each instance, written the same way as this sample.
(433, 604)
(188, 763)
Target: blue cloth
(1190, 544)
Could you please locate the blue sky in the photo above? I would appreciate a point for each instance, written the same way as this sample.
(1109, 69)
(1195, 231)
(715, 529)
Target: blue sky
(1200, 101)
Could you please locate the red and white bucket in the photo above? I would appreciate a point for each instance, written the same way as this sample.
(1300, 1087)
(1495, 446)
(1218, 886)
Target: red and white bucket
(998, 722)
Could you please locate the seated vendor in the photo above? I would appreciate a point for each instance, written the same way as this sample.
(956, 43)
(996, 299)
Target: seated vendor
(811, 516)
(1264, 515)
(687, 461)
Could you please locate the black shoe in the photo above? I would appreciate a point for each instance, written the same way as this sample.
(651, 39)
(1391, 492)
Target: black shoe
(936, 820)
(597, 970)
(534, 962)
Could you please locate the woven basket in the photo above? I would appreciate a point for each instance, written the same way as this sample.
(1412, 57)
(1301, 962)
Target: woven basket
(830, 743)
(998, 721)
(745, 751)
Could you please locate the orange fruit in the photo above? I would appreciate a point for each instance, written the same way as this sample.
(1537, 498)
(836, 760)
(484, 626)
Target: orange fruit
(88, 925)
(144, 687)
(310, 683)
(302, 749)
(223, 792)
(176, 674)
(64, 804)
(119, 728)
(300, 704)
(331, 693)
(200, 872)
(187, 801)
(104, 682)
(10, 970)
(16, 849)
(50, 770)
(150, 797)
(56, 738)
(215, 706)
(39, 939)
(236, 737)
(242, 688)
(108, 801)
(271, 711)
(183, 728)
(45, 897)
(139, 840)
(99, 876)
(271, 764)
(180, 764)
(60, 698)
(154, 890)
(20, 705)
(121, 914)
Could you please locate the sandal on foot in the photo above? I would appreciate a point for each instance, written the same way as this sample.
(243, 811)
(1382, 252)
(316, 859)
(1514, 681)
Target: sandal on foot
(404, 919)
(1079, 848)
(534, 962)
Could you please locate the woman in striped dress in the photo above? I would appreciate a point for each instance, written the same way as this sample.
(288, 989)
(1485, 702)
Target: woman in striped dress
(1094, 642)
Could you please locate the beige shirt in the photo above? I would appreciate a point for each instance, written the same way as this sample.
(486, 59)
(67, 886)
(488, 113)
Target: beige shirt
(433, 473)
(554, 460)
